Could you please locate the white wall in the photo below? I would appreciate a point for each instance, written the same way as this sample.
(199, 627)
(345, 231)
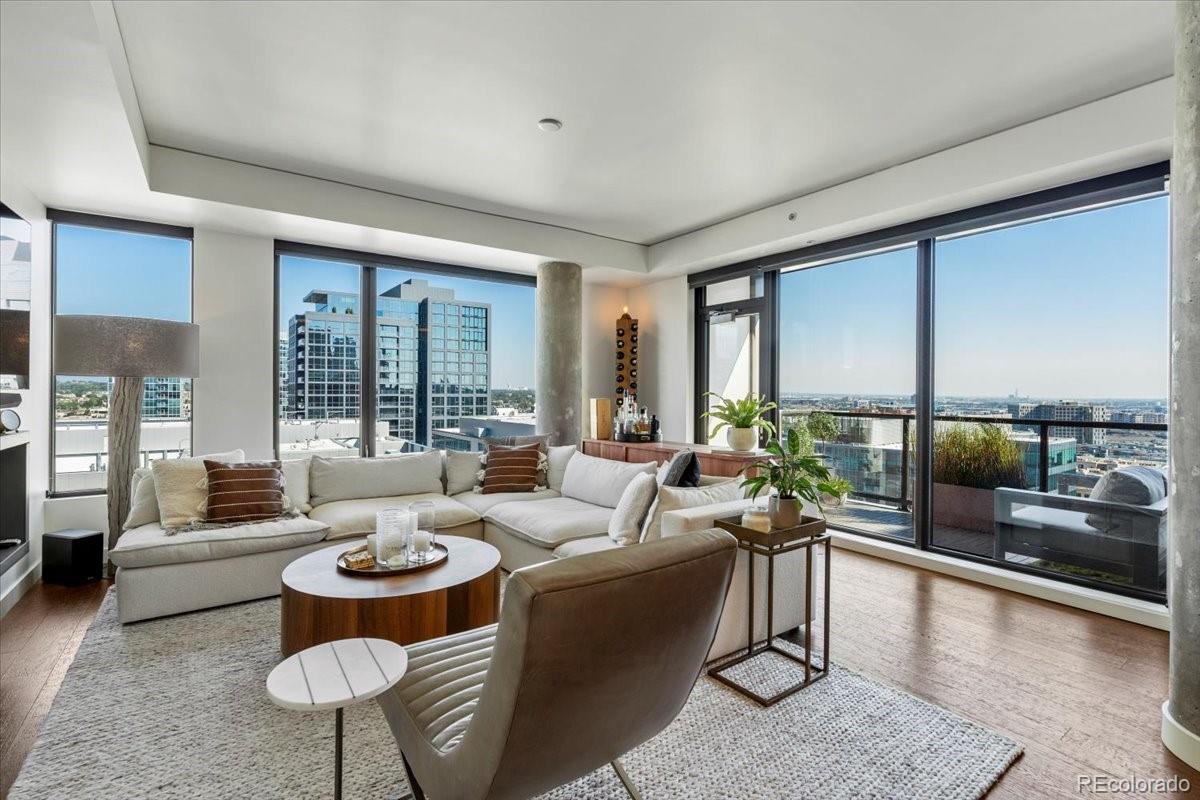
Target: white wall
(35, 402)
(602, 305)
(664, 312)
(234, 306)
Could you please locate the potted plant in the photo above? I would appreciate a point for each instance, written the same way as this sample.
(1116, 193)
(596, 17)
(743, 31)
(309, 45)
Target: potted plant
(794, 477)
(969, 463)
(743, 417)
(840, 488)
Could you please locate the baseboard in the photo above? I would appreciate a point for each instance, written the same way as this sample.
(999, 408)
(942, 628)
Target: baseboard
(1130, 609)
(1179, 740)
(20, 586)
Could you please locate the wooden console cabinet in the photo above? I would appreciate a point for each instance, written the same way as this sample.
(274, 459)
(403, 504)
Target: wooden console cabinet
(713, 461)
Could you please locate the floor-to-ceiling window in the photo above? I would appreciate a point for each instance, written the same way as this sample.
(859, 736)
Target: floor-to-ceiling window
(1053, 331)
(847, 369)
(992, 383)
(105, 266)
(734, 316)
(452, 354)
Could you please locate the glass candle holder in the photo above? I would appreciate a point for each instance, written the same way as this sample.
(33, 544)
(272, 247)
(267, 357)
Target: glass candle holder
(424, 536)
(391, 527)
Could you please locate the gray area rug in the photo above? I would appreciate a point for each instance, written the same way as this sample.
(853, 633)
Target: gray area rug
(176, 708)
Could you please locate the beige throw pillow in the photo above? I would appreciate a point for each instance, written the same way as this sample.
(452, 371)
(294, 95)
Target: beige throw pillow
(295, 485)
(462, 471)
(181, 487)
(625, 525)
(143, 509)
(673, 498)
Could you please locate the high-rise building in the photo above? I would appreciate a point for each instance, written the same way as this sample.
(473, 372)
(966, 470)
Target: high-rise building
(1067, 411)
(163, 398)
(433, 359)
(283, 371)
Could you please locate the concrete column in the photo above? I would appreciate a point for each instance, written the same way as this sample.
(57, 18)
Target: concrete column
(559, 368)
(1181, 713)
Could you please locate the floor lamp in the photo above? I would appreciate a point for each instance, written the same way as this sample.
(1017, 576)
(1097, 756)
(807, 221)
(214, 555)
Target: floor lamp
(127, 349)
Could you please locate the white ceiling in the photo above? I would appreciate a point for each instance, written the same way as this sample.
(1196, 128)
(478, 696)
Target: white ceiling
(677, 115)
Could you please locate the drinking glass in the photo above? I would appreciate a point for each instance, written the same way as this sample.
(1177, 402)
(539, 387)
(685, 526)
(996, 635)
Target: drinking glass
(424, 536)
(391, 528)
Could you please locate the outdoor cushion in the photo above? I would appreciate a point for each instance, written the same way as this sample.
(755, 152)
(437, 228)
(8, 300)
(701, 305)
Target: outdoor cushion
(1133, 486)
(357, 517)
(1057, 518)
(600, 481)
(549, 523)
(150, 545)
(580, 547)
(483, 503)
(333, 479)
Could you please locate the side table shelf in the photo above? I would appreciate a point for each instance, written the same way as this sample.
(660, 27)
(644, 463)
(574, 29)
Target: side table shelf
(807, 536)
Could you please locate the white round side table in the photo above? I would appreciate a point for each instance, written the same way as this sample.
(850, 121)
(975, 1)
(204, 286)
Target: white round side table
(335, 675)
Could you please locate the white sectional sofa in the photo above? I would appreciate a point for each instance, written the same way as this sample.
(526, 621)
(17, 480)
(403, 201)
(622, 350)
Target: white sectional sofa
(161, 573)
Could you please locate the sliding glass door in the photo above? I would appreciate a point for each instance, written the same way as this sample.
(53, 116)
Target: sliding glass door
(847, 367)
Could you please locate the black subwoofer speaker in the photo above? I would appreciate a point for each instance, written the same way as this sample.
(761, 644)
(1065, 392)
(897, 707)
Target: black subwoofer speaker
(72, 556)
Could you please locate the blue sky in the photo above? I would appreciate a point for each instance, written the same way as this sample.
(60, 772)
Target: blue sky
(1075, 306)
(512, 308)
(122, 274)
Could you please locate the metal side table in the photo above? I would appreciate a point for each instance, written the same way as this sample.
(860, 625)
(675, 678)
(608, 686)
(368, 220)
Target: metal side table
(808, 535)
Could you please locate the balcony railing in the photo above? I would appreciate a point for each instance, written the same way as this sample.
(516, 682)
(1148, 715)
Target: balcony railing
(1040, 516)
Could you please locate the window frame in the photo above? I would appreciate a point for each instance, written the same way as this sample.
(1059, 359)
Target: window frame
(122, 224)
(369, 265)
(1117, 188)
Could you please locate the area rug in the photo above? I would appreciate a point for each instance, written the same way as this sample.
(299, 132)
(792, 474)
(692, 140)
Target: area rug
(176, 708)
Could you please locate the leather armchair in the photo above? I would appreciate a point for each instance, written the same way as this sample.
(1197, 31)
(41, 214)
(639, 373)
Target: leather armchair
(592, 656)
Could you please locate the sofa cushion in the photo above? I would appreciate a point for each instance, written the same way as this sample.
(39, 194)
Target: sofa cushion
(671, 498)
(251, 491)
(542, 440)
(1132, 486)
(581, 547)
(682, 470)
(150, 545)
(143, 508)
(549, 523)
(1061, 519)
(357, 517)
(600, 481)
(333, 479)
(295, 484)
(462, 471)
(559, 457)
(483, 503)
(512, 469)
(625, 526)
(181, 487)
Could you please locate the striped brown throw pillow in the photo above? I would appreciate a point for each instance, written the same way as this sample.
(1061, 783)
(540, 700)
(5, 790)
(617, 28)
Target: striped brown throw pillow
(251, 491)
(511, 469)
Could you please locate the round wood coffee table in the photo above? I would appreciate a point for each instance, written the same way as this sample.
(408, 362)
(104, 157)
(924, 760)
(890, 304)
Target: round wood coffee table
(320, 604)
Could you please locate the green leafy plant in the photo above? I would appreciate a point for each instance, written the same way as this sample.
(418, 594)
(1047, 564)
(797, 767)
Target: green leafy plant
(840, 487)
(977, 456)
(749, 412)
(814, 426)
(793, 474)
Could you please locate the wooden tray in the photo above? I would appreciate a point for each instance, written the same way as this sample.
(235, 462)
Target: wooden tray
(437, 556)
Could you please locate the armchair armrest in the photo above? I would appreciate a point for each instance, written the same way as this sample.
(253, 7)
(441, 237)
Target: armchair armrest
(686, 520)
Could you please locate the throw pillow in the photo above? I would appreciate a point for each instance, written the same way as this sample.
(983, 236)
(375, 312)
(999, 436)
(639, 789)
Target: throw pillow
(295, 484)
(333, 479)
(1132, 486)
(462, 470)
(543, 463)
(682, 470)
(181, 487)
(600, 481)
(143, 509)
(510, 469)
(559, 457)
(542, 440)
(672, 498)
(625, 525)
(248, 492)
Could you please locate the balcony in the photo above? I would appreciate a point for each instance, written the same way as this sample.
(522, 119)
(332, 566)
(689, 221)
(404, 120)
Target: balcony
(1016, 493)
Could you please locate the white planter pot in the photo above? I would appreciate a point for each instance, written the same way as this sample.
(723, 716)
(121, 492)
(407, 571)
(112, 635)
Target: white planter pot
(743, 439)
(784, 513)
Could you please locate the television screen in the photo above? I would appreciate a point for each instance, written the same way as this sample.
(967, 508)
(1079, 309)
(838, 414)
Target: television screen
(16, 263)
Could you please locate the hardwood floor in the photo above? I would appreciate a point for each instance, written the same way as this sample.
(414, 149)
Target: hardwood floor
(38, 640)
(1081, 692)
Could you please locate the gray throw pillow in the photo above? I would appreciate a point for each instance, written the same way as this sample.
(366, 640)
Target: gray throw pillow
(1132, 486)
(542, 440)
(682, 470)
